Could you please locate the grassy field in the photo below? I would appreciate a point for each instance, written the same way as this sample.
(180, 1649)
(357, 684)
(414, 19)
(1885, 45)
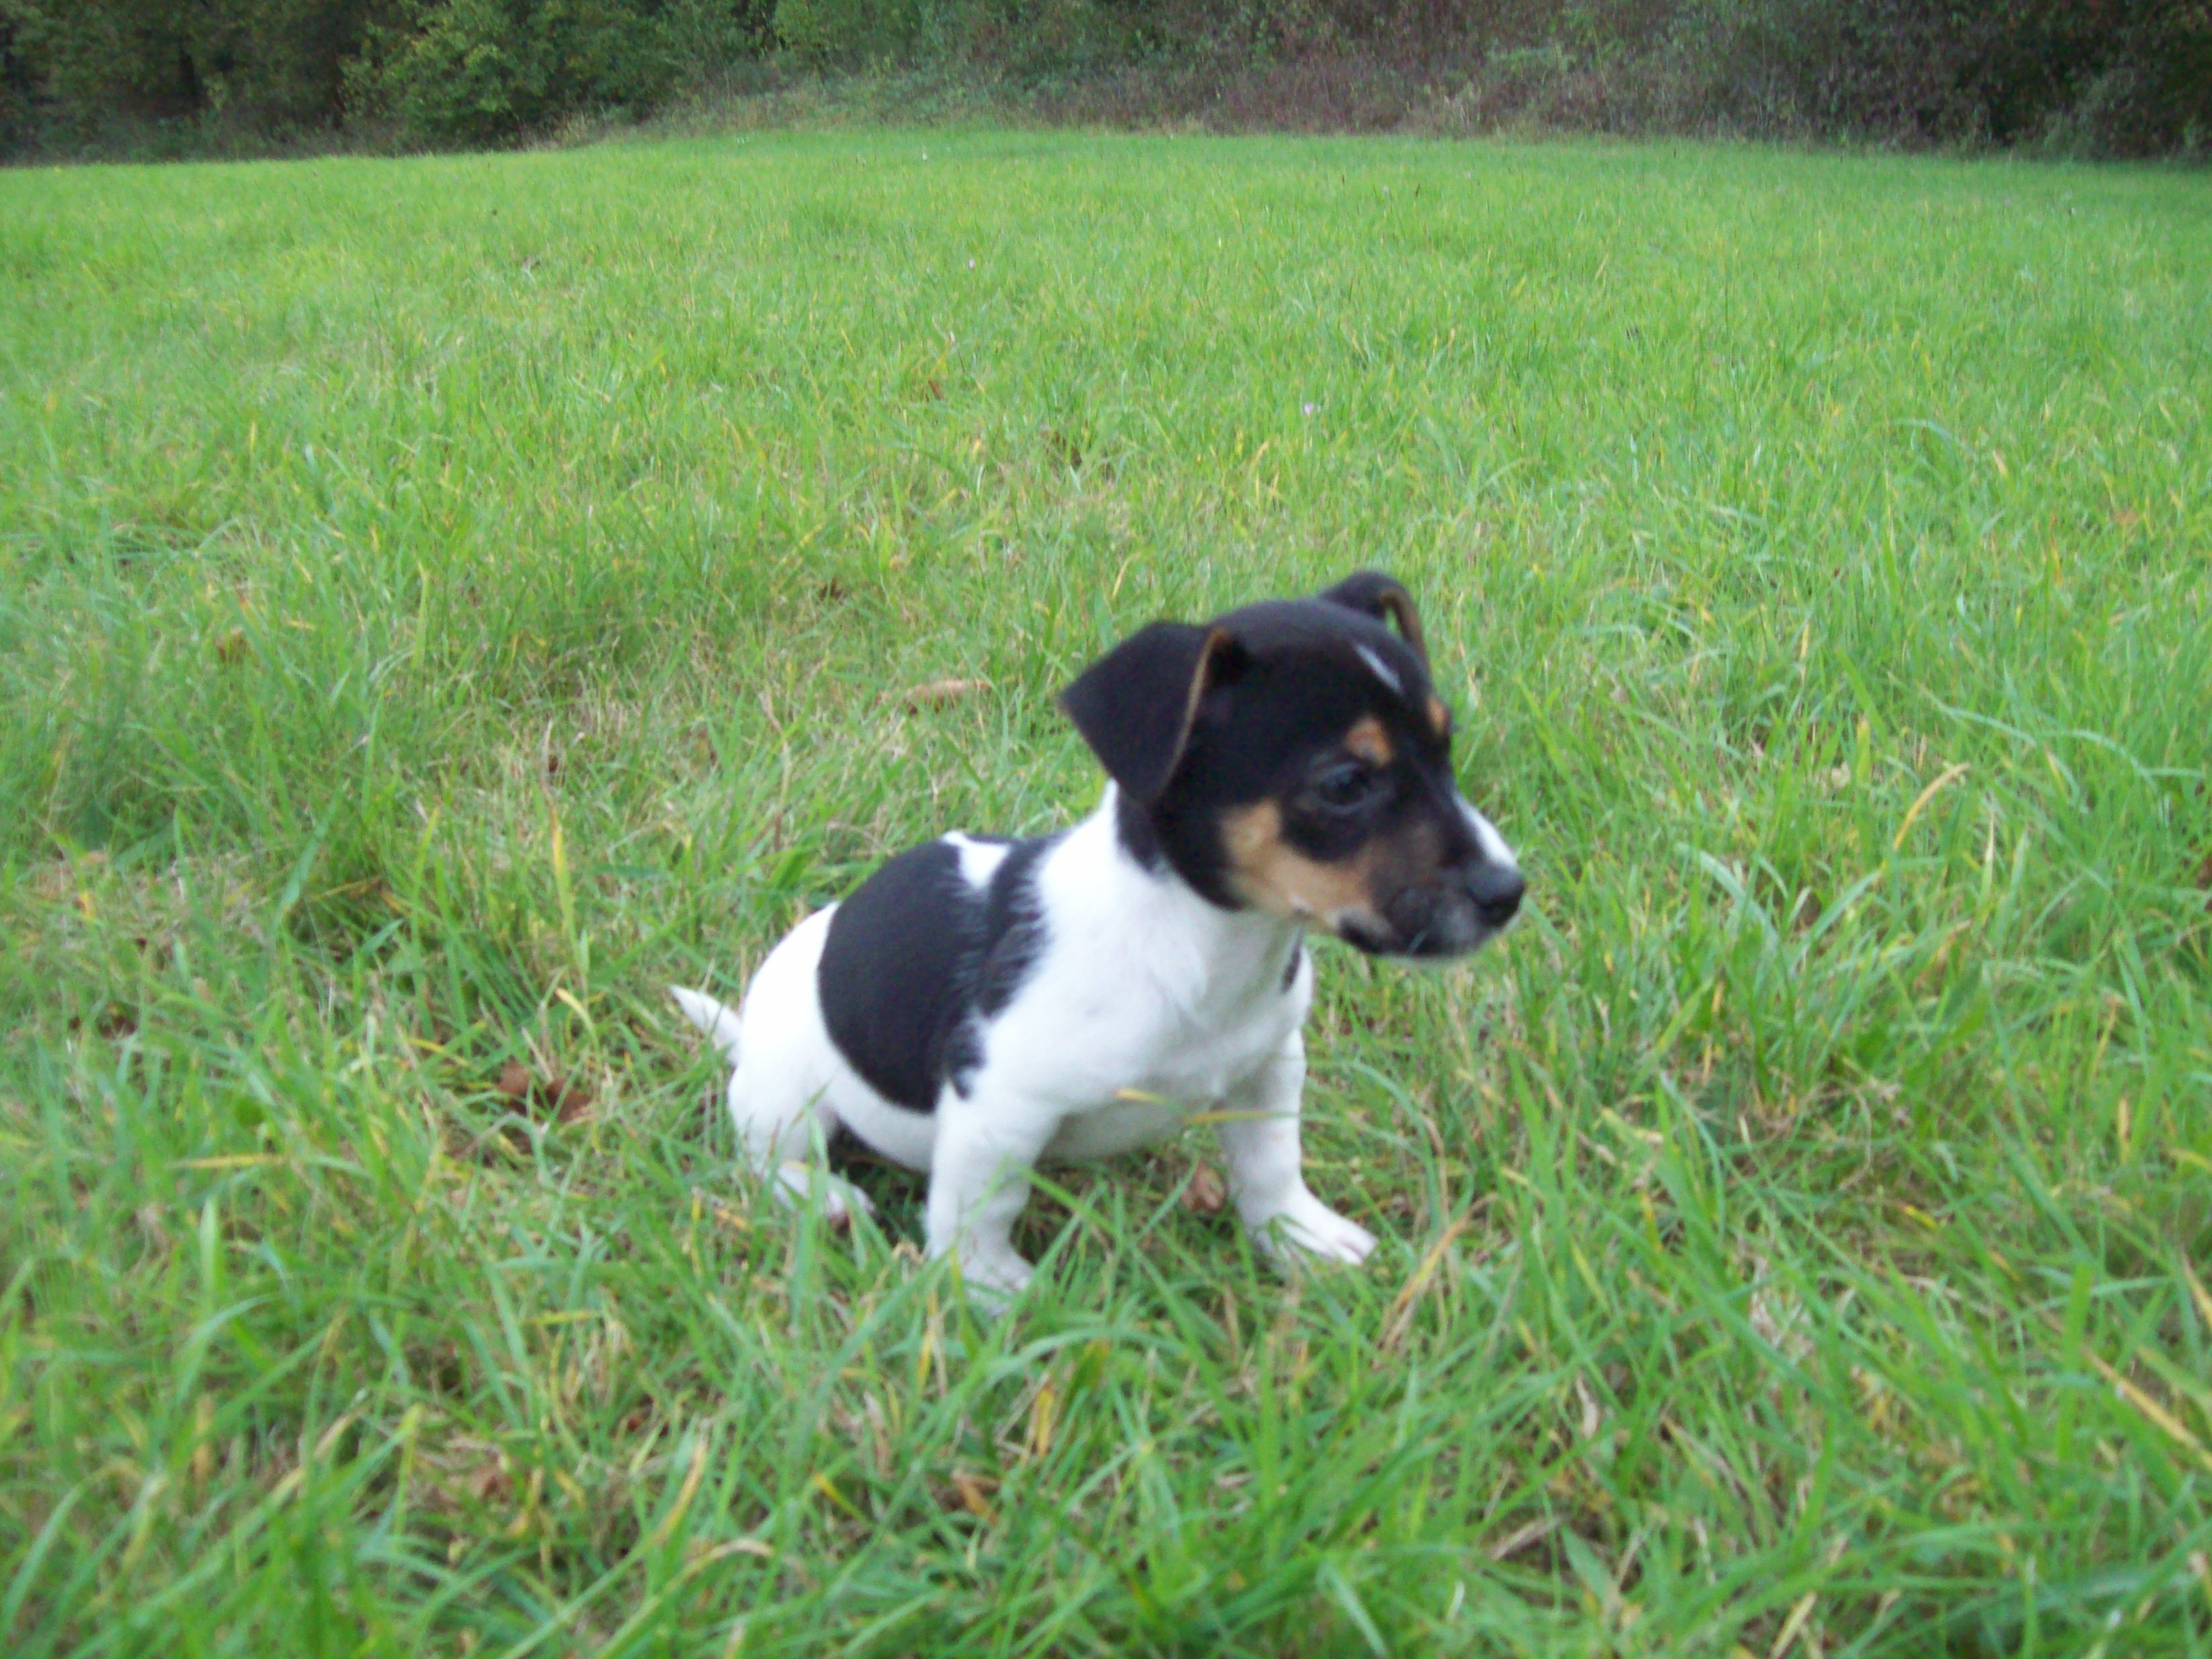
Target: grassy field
(443, 601)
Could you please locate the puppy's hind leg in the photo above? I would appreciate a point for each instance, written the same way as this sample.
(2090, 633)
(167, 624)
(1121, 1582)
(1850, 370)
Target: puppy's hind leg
(776, 1124)
(783, 1136)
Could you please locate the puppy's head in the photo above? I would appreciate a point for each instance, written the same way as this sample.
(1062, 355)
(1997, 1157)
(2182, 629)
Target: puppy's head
(1292, 758)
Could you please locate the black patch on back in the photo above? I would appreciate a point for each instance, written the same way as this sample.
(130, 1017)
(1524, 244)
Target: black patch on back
(916, 957)
(1013, 938)
(890, 977)
(1013, 926)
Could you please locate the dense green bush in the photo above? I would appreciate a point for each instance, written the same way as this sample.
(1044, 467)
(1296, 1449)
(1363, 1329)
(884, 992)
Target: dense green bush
(481, 71)
(2111, 76)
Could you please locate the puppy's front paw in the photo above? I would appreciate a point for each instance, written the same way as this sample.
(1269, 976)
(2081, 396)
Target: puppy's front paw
(1305, 1229)
(994, 1278)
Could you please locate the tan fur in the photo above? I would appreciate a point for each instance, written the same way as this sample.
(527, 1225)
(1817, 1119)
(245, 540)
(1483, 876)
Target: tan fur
(1439, 716)
(1270, 875)
(1368, 740)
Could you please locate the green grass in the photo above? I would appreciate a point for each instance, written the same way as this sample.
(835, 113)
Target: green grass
(444, 601)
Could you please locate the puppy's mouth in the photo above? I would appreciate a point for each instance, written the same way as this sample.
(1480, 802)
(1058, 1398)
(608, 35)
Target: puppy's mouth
(1425, 944)
(1432, 925)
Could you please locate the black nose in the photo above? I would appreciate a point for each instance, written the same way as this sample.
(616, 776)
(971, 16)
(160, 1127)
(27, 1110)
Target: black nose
(1496, 890)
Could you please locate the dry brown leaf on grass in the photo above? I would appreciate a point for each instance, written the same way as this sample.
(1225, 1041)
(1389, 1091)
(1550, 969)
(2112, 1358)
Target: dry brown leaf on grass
(489, 1478)
(563, 1098)
(1205, 1193)
(112, 1020)
(935, 693)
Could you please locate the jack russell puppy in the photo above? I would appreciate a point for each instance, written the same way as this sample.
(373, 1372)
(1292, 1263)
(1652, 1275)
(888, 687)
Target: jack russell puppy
(980, 1005)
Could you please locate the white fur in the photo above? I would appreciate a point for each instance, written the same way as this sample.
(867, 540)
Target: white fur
(978, 859)
(720, 1024)
(1383, 671)
(1486, 837)
(1147, 1005)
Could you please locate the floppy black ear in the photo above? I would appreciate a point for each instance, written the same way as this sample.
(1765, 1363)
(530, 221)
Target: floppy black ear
(1374, 594)
(1135, 704)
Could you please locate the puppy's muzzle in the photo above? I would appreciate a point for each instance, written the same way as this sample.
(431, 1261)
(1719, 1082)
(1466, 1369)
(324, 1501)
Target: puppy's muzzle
(1495, 890)
(1471, 903)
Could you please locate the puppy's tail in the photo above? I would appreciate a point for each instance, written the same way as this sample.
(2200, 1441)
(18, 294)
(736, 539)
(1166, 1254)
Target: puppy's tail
(720, 1024)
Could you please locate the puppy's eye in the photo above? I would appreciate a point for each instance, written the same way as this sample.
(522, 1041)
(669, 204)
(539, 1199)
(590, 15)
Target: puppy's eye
(1345, 787)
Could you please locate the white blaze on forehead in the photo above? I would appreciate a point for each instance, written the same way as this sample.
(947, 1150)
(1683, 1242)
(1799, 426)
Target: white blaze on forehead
(1486, 837)
(1383, 671)
(978, 859)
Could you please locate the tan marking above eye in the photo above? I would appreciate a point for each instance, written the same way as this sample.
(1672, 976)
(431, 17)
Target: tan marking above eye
(1368, 740)
(1439, 716)
(1269, 874)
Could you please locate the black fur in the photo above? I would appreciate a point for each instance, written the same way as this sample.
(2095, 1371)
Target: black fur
(1135, 705)
(1277, 693)
(1133, 825)
(1014, 937)
(1299, 685)
(916, 957)
(890, 976)
(1385, 599)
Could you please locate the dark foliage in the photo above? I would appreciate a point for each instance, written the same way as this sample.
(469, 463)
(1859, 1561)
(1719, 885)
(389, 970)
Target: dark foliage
(274, 64)
(2128, 77)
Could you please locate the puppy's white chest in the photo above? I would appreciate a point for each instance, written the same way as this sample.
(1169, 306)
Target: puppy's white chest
(1139, 1115)
(1194, 1069)
(1205, 1066)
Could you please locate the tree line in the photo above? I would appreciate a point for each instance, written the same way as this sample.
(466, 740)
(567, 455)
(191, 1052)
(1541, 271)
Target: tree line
(2116, 77)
